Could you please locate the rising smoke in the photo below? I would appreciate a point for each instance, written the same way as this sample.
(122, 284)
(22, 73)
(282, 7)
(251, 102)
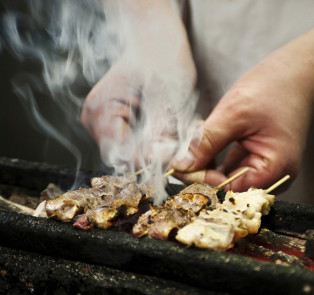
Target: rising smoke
(85, 40)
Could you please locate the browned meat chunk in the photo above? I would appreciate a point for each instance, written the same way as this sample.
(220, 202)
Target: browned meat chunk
(99, 205)
(103, 217)
(176, 212)
(71, 203)
(203, 189)
(111, 184)
(158, 222)
(129, 197)
(190, 202)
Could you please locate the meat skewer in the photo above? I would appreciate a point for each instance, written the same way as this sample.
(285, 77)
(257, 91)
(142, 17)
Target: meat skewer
(100, 205)
(179, 209)
(193, 216)
(175, 212)
(154, 222)
(240, 214)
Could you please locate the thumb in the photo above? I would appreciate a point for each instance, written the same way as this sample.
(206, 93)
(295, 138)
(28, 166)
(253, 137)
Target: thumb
(218, 132)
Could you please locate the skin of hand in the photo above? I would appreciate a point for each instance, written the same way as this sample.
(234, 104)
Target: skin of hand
(266, 115)
(111, 108)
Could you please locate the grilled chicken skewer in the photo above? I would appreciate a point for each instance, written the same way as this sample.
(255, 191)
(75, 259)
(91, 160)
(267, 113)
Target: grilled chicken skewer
(99, 205)
(194, 215)
(240, 214)
(175, 212)
(179, 209)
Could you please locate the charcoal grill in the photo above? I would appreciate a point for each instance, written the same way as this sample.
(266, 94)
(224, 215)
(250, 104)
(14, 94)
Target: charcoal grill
(46, 256)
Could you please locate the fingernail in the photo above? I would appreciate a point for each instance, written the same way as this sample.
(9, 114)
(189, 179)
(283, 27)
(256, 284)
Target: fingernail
(184, 164)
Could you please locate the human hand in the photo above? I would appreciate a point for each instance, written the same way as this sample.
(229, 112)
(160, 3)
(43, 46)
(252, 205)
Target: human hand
(130, 115)
(133, 112)
(266, 116)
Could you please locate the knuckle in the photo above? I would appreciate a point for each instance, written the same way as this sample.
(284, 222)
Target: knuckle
(208, 142)
(240, 103)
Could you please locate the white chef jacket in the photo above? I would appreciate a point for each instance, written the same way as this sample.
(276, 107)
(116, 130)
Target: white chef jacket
(228, 37)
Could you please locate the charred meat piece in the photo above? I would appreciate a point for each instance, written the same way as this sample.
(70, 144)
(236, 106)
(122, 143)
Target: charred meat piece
(71, 203)
(141, 227)
(189, 201)
(167, 220)
(200, 188)
(52, 191)
(147, 190)
(193, 198)
(111, 184)
(203, 189)
(125, 202)
(102, 217)
(97, 206)
(158, 222)
(129, 197)
(176, 212)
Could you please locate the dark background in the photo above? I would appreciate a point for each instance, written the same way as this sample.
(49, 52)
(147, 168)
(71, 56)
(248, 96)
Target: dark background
(20, 136)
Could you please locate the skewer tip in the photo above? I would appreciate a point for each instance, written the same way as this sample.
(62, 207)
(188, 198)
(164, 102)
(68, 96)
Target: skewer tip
(233, 177)
(278, 183)
(169, 172)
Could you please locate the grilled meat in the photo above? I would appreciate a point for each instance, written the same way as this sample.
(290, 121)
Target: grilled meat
(205, 233)
(195, 215)
(201, 188)
(97, 206)
(52, 191)
(71, 203)
(102, 217)
(192, 202)
(111, 184)
(204, 189)
(239, 215)
(158, 222)
(129, 196)
(176, 212)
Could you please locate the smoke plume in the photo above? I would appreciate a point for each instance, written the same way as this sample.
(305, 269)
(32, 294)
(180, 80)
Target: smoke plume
(78, 42)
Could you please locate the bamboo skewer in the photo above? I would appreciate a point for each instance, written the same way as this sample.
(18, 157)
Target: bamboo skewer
(9, 205)
(278, 183)
(223, 184)
(140, 171)
(169, 172)
(232, 178)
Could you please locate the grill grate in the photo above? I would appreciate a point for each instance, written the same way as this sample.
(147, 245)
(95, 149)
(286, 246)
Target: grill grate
(231, 272)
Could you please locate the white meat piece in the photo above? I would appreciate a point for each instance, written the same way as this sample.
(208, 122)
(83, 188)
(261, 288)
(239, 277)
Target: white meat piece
(240, 214)
(221, 215)
(206, 234)
(256, 199)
